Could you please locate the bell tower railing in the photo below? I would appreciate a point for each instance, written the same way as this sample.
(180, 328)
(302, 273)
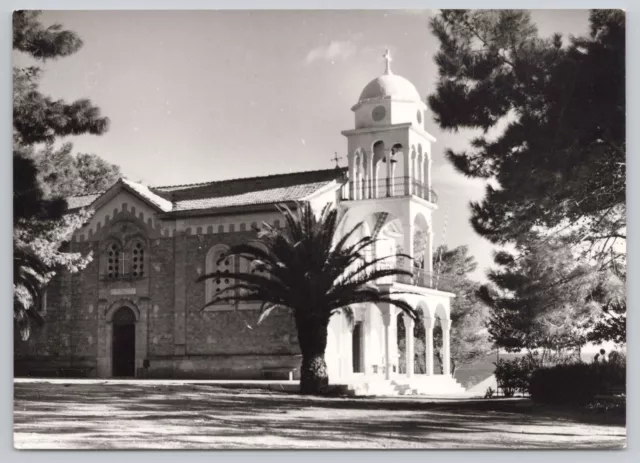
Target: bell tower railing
(386, 188)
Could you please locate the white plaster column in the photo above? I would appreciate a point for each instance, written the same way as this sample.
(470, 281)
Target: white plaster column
(352, 176)
(375, 190)
(363, 177)
(390, 338)
(408, 172)
(428, 347)
(427, 177)
(392, 176)
(365, 356)
(420, 173)
(357, 166)
(369, 176)
(409, 325)
(389, 174)
(446, 346)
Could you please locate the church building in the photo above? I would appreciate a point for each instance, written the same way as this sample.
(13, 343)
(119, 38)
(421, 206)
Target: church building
(137, 310)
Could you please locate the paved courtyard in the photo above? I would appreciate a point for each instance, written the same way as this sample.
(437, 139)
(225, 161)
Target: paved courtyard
(172, 415)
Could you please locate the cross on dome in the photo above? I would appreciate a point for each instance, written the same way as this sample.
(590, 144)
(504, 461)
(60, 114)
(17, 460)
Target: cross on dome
(387, 57)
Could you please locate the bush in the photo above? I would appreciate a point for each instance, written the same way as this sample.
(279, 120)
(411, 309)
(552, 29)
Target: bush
(489, 393)
(578, 383)
(513, 375)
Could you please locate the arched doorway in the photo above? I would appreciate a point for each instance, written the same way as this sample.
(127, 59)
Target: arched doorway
(124, 343)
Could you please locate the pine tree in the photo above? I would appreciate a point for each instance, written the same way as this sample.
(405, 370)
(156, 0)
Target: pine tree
(551, 120)
(40, 225)
(559, 159)
(542, 296)
(61, 174)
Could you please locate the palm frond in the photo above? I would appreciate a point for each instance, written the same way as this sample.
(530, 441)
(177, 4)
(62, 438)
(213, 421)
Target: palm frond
(266, 308)
(349, 315)
(304, 268)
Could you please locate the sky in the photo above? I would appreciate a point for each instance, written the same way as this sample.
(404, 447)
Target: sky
(196, 96)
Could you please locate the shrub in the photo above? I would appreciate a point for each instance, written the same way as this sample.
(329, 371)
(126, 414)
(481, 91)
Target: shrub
(513, 375)
(489, 393)
(577, 383)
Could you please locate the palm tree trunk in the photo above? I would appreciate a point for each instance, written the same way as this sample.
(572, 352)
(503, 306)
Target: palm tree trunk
(313, 376)
(312, 336)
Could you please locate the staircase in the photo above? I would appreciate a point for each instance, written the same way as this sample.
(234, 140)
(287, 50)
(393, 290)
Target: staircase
(436, 385)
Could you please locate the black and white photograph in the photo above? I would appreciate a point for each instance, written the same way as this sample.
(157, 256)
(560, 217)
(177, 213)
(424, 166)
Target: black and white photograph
(319, 229)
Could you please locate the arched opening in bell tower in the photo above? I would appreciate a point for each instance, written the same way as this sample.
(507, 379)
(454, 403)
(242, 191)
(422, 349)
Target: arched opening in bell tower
(388, 171)
(378, 181)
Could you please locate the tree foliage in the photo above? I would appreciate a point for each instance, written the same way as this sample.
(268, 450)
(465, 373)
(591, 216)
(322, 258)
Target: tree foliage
(550, 118)
(304, 268)
(610, 294)
(542, 296)
(40, 226)
(558, 108)
(61, 174)
(469, 340)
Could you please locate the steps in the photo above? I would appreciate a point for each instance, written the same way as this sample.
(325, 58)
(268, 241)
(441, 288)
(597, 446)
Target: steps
(441, 385)
(436, 385)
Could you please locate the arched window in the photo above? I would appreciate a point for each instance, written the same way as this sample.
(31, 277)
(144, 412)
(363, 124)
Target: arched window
(218, 260)
(138, 267)
(112, 261)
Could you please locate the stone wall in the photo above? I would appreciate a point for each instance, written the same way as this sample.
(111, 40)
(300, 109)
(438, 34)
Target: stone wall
(180, 338)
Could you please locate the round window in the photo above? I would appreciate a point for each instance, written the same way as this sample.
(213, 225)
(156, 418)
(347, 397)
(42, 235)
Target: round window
(378, 113)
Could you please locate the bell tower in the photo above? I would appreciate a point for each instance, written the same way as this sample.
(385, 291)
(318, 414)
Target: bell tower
(389, 164)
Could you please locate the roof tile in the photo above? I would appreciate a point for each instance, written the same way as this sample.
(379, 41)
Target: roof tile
(228, 193)
(262, 196)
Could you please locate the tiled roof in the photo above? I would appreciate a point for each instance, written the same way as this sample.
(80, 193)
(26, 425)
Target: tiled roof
(258, 196)
(248, 191)
(228, 193)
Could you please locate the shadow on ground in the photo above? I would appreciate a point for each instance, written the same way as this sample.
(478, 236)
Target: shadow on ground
(201, 416)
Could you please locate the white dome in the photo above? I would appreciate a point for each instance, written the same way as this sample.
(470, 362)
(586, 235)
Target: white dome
(390, 86)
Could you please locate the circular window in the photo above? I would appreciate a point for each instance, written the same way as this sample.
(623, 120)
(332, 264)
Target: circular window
(378, 113)
(419, 117)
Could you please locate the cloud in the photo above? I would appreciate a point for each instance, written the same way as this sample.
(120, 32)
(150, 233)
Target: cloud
(336, 50)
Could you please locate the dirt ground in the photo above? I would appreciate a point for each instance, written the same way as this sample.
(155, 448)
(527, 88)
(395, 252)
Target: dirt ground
(142, 415)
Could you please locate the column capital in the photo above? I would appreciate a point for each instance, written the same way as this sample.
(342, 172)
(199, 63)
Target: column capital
(409, 323)
(429, 323)
(446, 324)
(386, 310)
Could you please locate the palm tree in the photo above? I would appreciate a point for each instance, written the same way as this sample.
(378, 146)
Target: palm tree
(302, 268)
(29, 280)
